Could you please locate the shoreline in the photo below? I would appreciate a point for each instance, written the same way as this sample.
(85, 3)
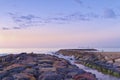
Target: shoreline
(79, 63)
(105, 62)
(45, 50)
(40, 67)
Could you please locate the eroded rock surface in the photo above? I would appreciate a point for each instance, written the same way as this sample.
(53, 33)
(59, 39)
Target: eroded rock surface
(40, 67)
(105, 62)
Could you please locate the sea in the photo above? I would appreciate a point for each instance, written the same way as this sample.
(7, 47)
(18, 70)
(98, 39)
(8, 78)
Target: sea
(47, 50)
(27, 50)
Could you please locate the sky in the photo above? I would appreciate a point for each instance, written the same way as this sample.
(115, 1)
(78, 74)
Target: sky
(59, 23)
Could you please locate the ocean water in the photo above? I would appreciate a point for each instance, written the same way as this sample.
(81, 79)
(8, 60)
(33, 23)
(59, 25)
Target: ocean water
(28, 50)
(46, 50)
(109, 49)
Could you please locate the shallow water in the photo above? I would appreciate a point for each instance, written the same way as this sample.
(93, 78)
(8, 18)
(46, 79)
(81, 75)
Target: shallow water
(99, 75)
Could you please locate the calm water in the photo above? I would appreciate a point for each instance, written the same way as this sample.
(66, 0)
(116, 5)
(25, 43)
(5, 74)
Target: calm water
(109, 49)
(28, 50)
(45, 50)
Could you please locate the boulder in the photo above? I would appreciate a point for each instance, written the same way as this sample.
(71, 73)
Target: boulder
(37, 67)
(51, 76)
(23, 76)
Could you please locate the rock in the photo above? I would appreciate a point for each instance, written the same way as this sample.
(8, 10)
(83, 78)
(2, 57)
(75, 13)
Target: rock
(51, 76)
(23, 76)
(8, 78)
(37, 67)
(47, 69)
(60, 64)
(46, 61)
(31, 64)
(105, 62)
(85, 76)
(68, 70)
(3, 74)
(31, 71)
(1, 67)
(15, 68)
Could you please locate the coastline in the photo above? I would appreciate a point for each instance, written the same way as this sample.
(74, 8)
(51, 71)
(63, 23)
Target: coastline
(46, 50)
(80, 65)
(40, 67)
(105, 62)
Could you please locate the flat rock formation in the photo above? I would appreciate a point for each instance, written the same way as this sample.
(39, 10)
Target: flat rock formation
(105, 62)
(111, 57)
(40, 67)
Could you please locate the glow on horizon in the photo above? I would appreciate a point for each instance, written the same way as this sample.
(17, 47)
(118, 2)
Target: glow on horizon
(64, 23)
(29, 38)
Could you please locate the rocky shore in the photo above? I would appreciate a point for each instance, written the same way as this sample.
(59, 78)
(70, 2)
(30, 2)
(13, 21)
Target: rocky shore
(105, 62)
(40, 67)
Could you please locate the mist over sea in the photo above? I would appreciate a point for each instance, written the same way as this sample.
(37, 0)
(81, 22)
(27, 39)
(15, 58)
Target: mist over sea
(47, 50)
(28, 50)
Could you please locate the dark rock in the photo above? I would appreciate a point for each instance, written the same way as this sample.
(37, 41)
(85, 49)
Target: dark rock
(51, 76)
(95, 60)
(37, 67)
(3, 74)
(8, 78)
(23, 76)
(32, 71)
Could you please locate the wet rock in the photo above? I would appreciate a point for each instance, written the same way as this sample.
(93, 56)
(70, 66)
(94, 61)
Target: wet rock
(8, 78)
(47, 69)
(1, 67)
(37, 67)
(51, 76)
(16, 68)
(50, 62)
(95, 60)
(3, 74)
(31, 71)
(23, 76)
(61, 64)
(85, 76)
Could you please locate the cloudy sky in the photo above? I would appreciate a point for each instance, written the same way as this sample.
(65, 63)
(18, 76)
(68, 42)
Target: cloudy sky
(59, 23)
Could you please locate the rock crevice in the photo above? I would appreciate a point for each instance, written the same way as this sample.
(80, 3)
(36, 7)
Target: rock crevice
(39, 67)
